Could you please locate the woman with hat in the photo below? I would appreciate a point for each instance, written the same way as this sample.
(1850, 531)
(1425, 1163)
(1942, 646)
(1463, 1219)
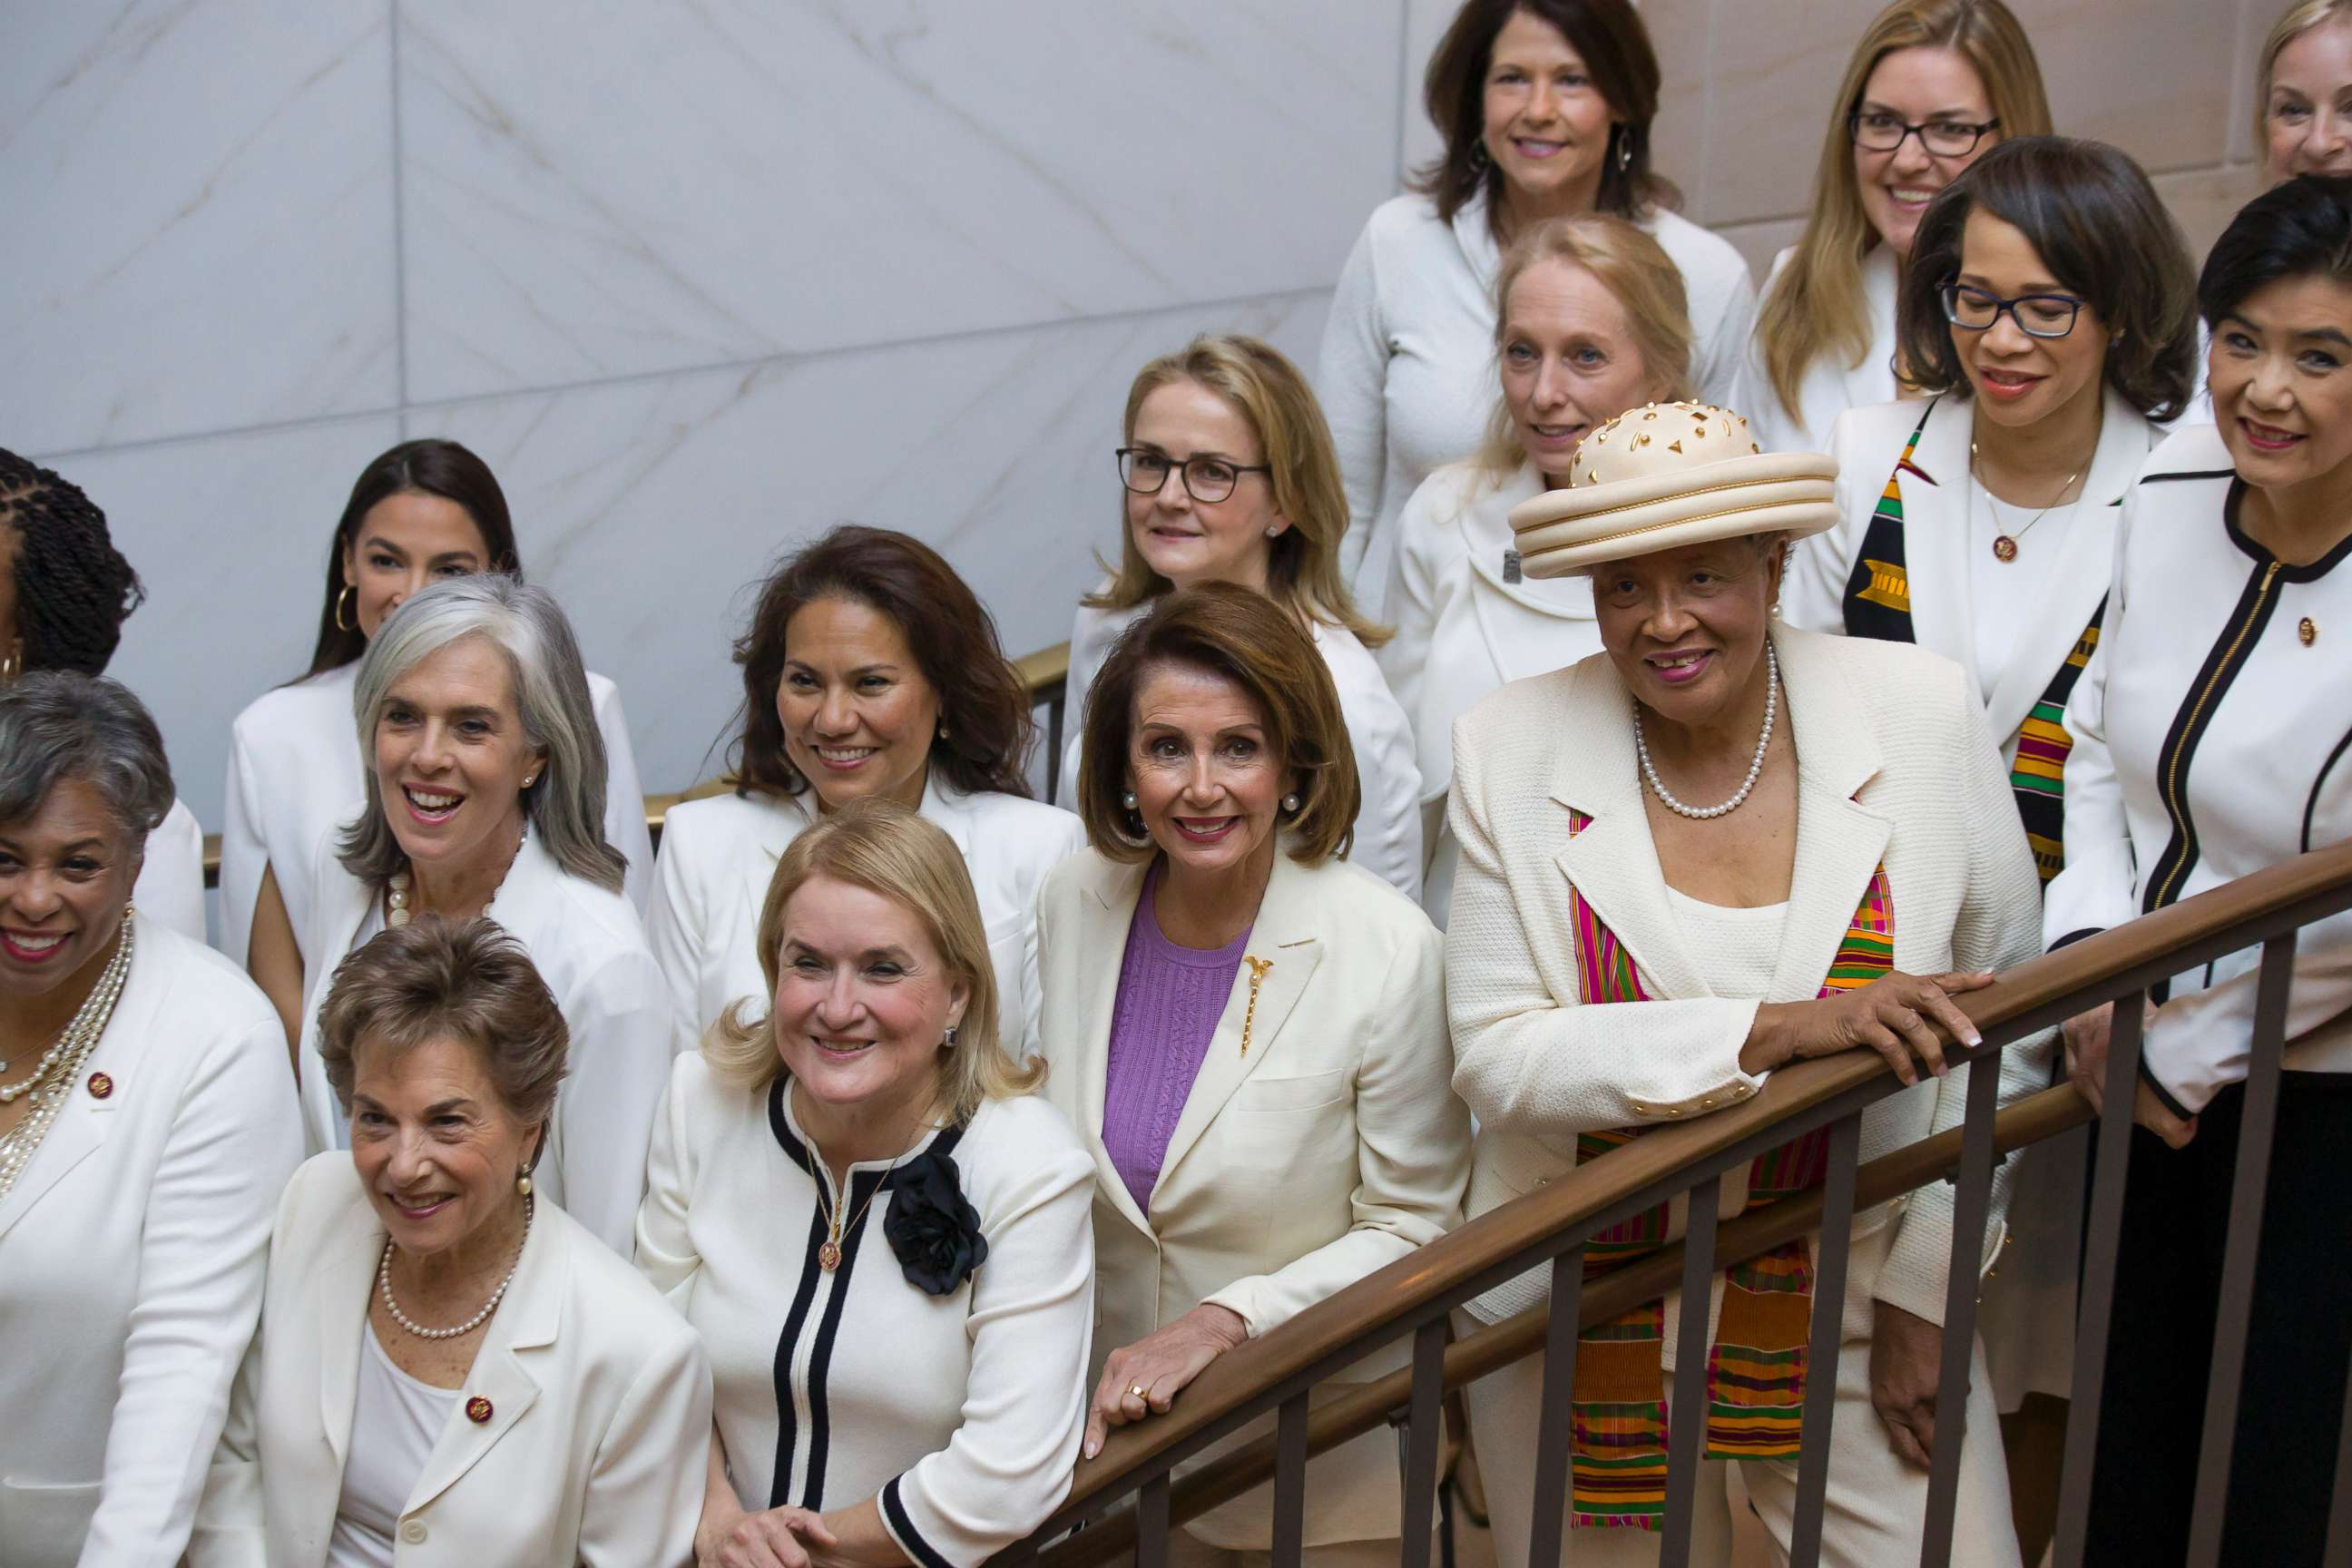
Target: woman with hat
(1778, 846)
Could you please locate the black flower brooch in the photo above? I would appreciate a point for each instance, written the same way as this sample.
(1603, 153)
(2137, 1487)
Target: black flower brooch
(934, 1231)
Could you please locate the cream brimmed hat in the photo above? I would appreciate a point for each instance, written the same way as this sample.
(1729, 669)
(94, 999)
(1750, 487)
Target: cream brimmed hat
(1665, 476)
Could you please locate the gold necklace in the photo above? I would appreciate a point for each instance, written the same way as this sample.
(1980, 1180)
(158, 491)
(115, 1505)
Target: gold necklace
(2004, 544)
(828, 1257)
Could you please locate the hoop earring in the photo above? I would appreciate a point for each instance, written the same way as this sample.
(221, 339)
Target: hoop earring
(346, 597)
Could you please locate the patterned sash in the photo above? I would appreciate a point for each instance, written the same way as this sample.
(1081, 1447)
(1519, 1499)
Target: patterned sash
(1756, 1368)
(1878, 592)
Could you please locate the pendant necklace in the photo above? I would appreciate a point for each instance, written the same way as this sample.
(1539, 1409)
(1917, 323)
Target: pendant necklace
(828, 1257)
(2004, 544)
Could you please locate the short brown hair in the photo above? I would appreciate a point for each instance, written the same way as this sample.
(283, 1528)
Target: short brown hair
(2105, 234)
(982, 704)
(1615, 46)
(1246, 639)
(882, 846)
(449, 980)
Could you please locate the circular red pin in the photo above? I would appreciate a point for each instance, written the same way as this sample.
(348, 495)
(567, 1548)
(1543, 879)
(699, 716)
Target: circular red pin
(478, 1410)
(101, 1086)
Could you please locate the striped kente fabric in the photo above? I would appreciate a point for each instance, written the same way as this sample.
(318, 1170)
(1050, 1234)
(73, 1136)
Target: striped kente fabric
(2038, 777)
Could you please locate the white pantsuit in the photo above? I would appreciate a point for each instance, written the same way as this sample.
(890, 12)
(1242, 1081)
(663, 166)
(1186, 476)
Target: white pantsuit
(132, 1252)
(1827, 387)
(170, 886)
(1333, 1148)
(581, 1435)
(294, 771)
(1387, 814)
(1467, 622)
(1895, 771)
(588, 946)
(719, 855)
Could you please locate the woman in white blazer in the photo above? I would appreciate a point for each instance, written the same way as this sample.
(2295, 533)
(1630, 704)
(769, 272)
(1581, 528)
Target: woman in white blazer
(450, 1370)
(1931, 85)
(146, 1125)
(484, 797)
(1546, 112)
(880, 1234)
(65, 592)
(419, 513)
(1591, 323)
(1229, 477)
(2212, 740)
(1248, 1034)
(1626, 955)
(869, 669)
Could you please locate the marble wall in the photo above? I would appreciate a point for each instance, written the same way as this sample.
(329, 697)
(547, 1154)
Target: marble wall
(702, 278)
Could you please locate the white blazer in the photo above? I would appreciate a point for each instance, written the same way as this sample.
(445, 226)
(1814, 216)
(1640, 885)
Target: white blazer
(2067, 590)
(1388, 816)
(594, 1429)
(294, 771)
(589, 948)
(718, 856)
(1894, 768)
(1334, 1148)
(132, 1251)
(170, 886)
(1828, 388)
(1467, 622)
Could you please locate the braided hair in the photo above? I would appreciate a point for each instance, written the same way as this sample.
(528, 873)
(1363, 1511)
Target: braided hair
(74, 589)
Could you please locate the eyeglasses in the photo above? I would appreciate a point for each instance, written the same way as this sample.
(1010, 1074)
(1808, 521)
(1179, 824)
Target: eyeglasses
(1205, 478)
(1877, 131)
(2036, 315)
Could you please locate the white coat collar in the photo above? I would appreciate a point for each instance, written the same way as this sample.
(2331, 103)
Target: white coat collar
(943, 804)
(1867, 383)
(1485, 532)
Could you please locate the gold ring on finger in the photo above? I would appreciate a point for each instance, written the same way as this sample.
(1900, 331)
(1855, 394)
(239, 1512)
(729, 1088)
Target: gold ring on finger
(1137, 1390)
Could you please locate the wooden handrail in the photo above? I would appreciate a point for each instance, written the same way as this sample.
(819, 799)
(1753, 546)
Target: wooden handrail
(1502, 1242)
(1043, 673)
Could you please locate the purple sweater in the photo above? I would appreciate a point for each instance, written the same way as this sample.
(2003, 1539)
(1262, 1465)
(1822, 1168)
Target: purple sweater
(1170, 999)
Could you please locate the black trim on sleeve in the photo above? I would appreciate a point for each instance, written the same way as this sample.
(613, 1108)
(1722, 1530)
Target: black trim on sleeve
(911, 1540)
(2311, 802)
(2164, 1094)
(2072, 937)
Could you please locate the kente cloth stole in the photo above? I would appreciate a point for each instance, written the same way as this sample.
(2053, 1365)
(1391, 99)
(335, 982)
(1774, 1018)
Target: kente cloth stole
(1878, 590)
(1756, 1368)
(2038, 777)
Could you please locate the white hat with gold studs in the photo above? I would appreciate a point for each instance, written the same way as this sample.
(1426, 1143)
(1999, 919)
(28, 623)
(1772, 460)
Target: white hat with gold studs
(1665, 476)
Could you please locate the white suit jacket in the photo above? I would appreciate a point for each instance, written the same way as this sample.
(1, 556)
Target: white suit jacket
(1828, 388)
(589, 948)
(1894, 768)
(1464, 627)
(1334, 1148)
(592, 1449)
(719, 855)
(2066, 588)
(132, 1251)
(294, 771)
(170, 886)
(1388, 815)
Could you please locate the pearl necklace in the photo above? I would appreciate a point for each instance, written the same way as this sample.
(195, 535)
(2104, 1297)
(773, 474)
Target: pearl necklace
(1755, 768)
(383, 1285)
(62, 1063)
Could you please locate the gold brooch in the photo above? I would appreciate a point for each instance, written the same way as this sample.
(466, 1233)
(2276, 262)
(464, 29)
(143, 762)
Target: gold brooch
(1257, 968)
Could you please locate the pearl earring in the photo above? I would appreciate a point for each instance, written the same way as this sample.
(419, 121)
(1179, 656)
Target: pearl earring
(1128, 800)
(1290, 804)
(1274, 534)
(522, 1183)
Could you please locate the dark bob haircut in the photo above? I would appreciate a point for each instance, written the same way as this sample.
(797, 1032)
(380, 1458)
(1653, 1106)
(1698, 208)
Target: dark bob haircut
(427, 468)
(2104, 234)
(1242, 636)
(1616, 48)
(2300, 229)
(983, 705)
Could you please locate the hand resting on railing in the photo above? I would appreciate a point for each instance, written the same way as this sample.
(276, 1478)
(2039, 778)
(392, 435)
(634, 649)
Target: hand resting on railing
(1144, 1378)
(1888, 1015)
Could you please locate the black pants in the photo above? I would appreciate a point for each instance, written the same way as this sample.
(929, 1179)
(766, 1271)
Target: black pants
(2290, 1406)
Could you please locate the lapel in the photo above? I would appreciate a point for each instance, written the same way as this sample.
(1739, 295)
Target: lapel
(1614, 863)
(527, 901)
(1840, 843)
(1936, 537)
(526, 1323)
(1872, 381)
(1519, 647)
(336, 1294)
(950, 809)
(1106, 910)
(2076, 578)
(1283, 941)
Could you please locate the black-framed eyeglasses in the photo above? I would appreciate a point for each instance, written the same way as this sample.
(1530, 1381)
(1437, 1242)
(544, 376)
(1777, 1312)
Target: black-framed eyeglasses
(1877, 131)
(1205, 478)
(2036, 315)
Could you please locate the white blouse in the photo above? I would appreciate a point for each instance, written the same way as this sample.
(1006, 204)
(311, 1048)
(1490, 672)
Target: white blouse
(1742, 945)
(961, 1412)
(718, 855)
(395, 1421)
(1407, 372)
(1467, 622)
(2212, 737)
(1387, 814)
(294, 772)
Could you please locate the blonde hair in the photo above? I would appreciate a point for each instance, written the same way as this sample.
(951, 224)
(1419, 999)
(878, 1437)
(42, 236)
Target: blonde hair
(1267, 390)
(1815, 306)
(1638, 274)
(2300, 18)
(885, 849)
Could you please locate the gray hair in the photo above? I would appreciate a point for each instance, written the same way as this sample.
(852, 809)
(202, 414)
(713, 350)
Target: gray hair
(566, 807)
(58, 724)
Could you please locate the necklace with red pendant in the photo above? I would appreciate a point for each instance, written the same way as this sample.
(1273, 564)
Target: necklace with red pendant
(2004, 544)
(828, 1257)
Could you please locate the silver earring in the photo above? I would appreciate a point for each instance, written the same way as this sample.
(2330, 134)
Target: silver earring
(1290, 804)
(1128, 800)
(1274, 534)
(949, 1041)
(943, 728)
(1625, 148)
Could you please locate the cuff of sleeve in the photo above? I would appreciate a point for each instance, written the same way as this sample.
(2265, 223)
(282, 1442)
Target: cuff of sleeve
(1243, 1298)
(1734, 1084)
(901, 1526)
(2172, 1101)
(1918, 1264)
